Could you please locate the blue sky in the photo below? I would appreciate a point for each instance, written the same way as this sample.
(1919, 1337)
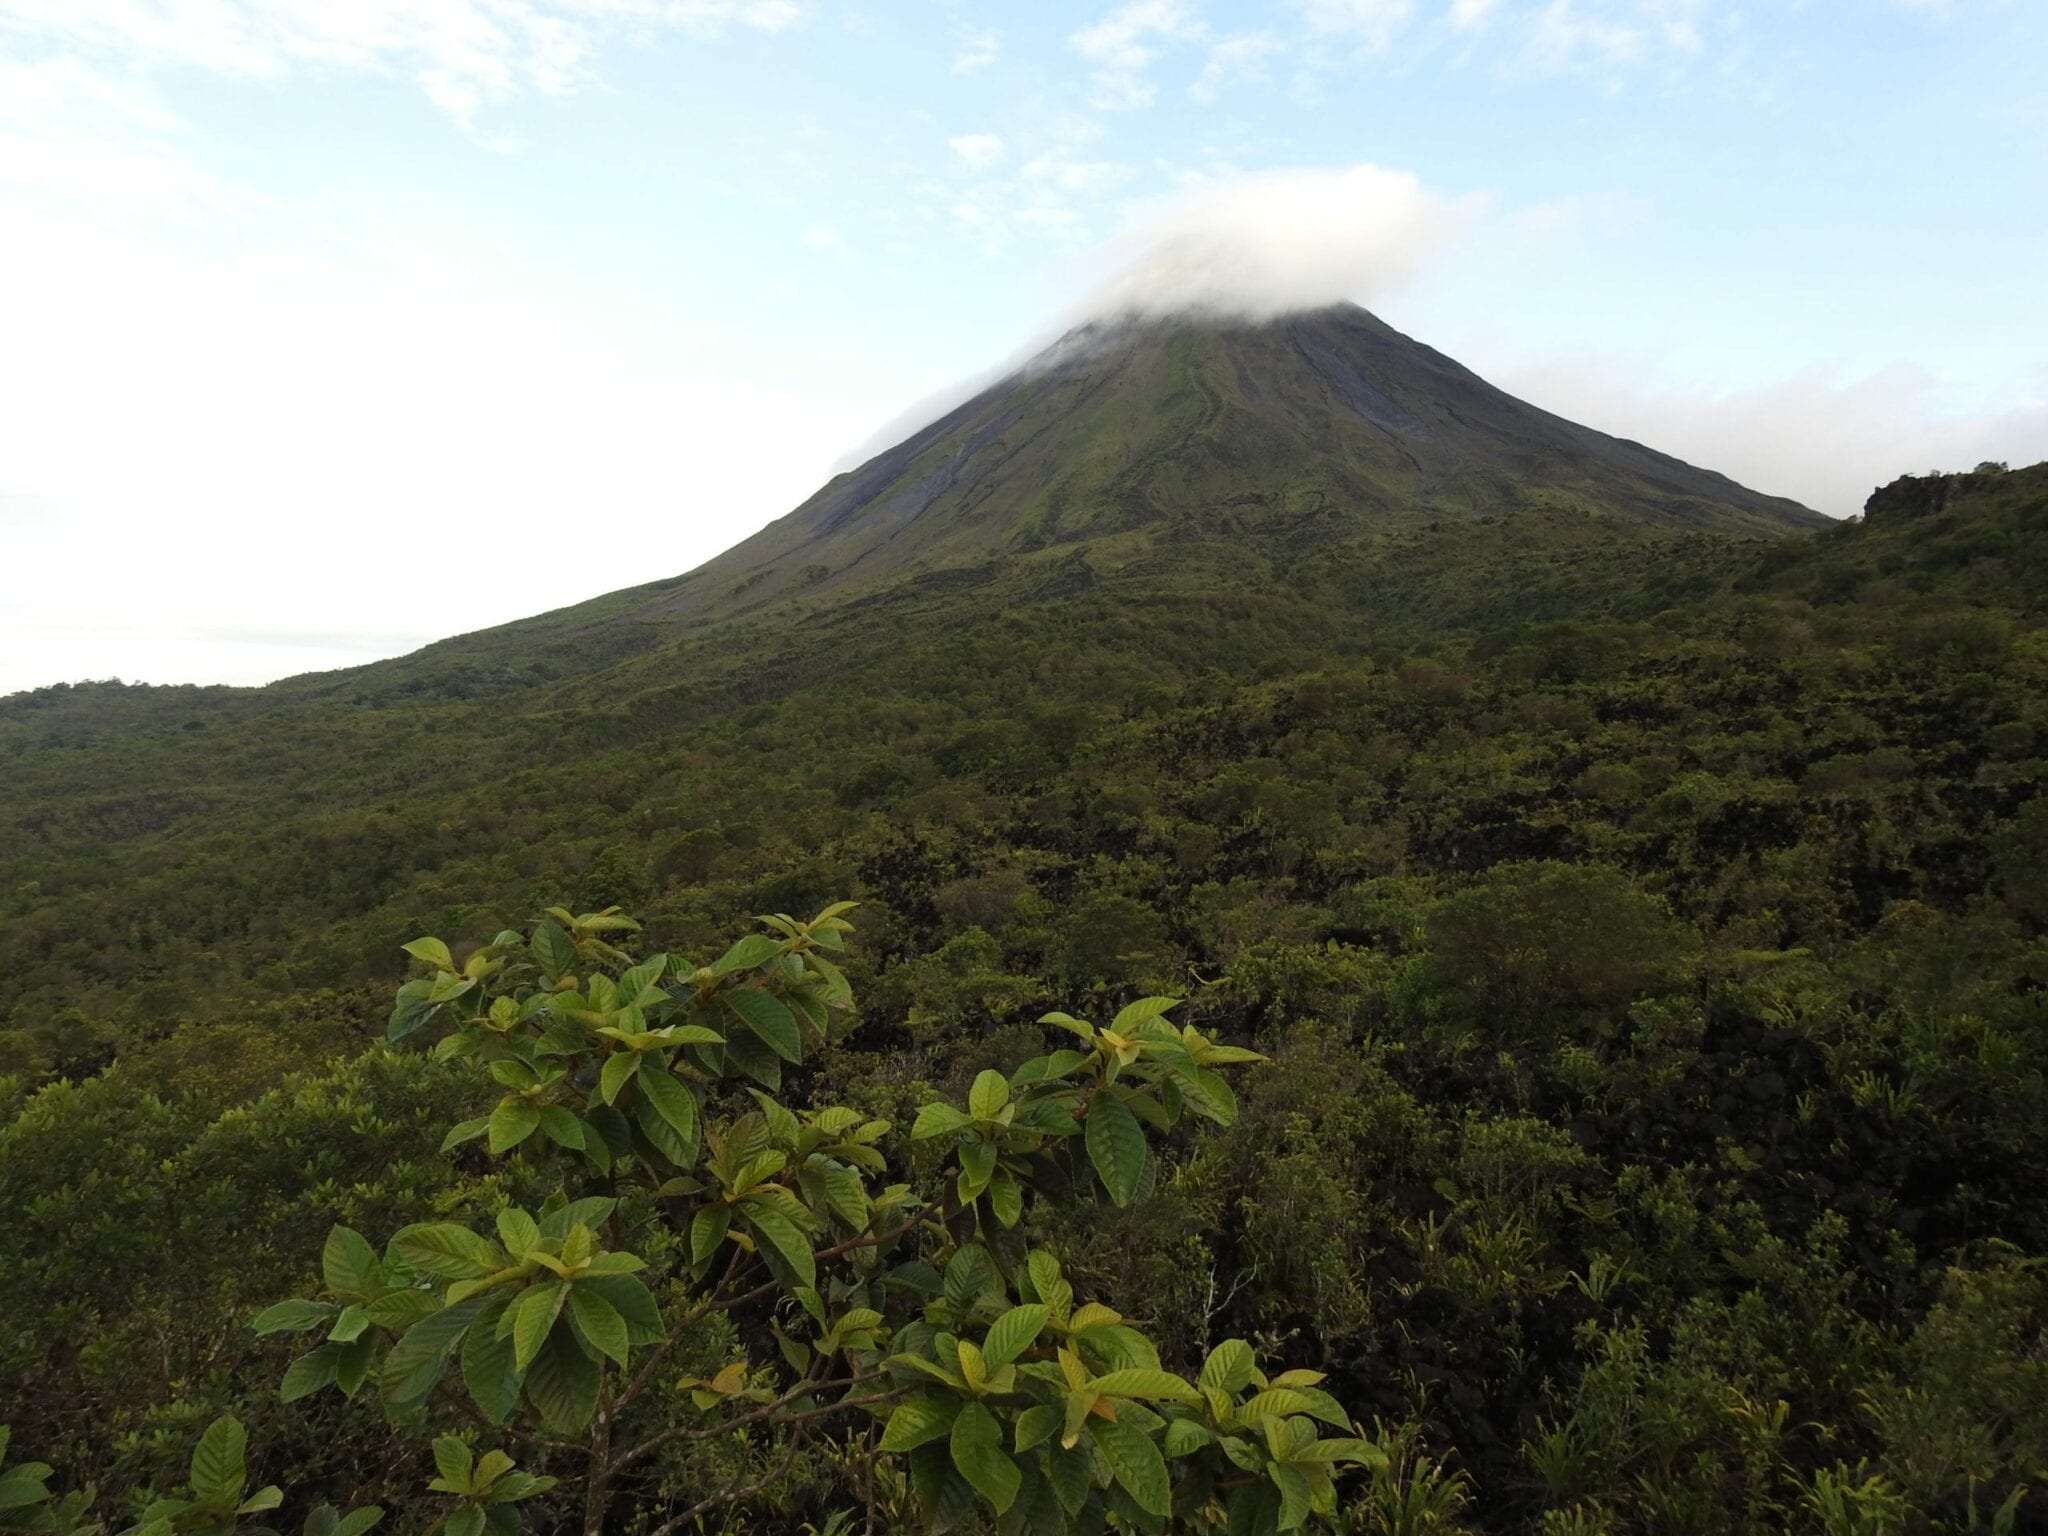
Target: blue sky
(328, 327)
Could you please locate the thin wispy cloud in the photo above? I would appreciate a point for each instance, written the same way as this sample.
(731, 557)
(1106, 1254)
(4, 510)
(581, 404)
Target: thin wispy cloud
(977, 151)
(976, 53)
(1372, 22)
(463, 54)
(1122, 46)
(1234, 59)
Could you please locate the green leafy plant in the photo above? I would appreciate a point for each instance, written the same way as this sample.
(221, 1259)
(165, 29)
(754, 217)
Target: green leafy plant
(648, 1091)
(28, 1508)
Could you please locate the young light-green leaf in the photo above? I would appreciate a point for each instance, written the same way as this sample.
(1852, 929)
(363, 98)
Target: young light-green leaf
(538, 1309)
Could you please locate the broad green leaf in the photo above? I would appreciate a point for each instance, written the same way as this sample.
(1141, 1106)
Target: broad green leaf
(1280, 1402)
(1143, 1011)
(772, 1024)
(936, 1119)
(1005, 1197)
(600, 1322)
(348, 1264)
(1036, 1425)
(1135, 1462)
(976, 1445)
(309, 1373)
(592, 1211)
(23, 1486)
(433, 951)
(468, 1130)
(1294, 1494)
(219, 1464)
(1048, 1284)
(755, 950)
(517, 1230)
(562, 1384)
(416, 1361)
(1152, 1386)
(619, 1069)
(991, 1091)
(1184, 1437)
(259, 1501)
(490, 1370)
(674, 1102)
(511, 1124)
(632, 1301)
(919, 1420)
(946, 1497)
(445, 1250)
(561, 1127)
(1230, 1367)
(707, 1230)
(538, 1309)
(352, 1365)
(781, 1234)
(454, 1460)
(667, 1140)
(1013, 1333)
(554, 950)
(1116, 1146)
(292, 1317)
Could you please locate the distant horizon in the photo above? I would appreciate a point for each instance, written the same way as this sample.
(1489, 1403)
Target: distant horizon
(333, 331)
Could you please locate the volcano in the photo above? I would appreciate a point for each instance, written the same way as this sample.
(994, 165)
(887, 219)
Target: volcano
(1287, 437)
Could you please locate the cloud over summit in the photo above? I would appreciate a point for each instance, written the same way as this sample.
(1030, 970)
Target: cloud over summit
(1271, 243)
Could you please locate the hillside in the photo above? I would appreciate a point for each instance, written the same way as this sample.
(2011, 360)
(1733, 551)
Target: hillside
(1639, 897)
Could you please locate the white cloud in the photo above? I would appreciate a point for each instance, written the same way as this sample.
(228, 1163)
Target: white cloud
(463, 54)
(1822, 440)
(1123, 45)
(1469, 15)
(1269, 243)
(1374, 22)
(1566, 35)
(1235, 58)
(977, 151)
(976, 53)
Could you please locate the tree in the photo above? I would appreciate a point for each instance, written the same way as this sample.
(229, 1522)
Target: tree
(912, 1324)
(1531, 941)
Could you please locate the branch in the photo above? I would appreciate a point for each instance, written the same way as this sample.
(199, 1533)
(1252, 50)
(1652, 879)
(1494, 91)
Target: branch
(715, 1302)
(733, 1495)
(709, 1304)
(804, 1388)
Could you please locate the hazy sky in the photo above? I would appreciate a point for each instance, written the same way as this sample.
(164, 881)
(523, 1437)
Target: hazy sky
(328, 327)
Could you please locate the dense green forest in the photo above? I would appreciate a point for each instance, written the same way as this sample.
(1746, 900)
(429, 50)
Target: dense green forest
(1643, 933)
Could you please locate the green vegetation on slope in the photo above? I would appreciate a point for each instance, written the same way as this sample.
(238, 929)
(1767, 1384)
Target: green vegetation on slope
(1646, 932)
